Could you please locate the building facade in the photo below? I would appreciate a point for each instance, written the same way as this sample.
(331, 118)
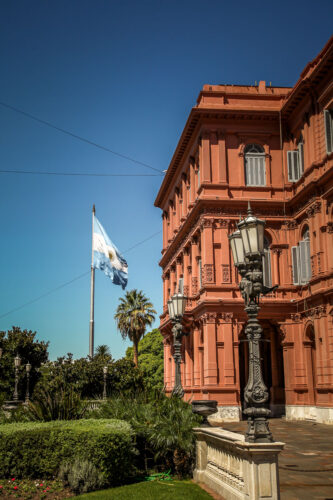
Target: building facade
(274, 147)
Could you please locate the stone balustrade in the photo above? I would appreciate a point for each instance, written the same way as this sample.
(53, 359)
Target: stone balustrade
(234, 468)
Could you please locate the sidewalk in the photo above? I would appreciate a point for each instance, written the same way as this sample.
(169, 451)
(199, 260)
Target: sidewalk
(306, 463)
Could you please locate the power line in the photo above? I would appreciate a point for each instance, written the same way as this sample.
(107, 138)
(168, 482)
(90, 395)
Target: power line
(76, 174)
(78, 137)
(70, 281)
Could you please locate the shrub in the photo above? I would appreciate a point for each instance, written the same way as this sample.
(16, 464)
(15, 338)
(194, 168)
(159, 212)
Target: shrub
(81, 476)
(62, 404)
(163, 429)
(38, 449)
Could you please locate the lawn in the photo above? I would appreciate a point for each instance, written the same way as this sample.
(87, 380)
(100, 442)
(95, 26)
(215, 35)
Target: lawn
(151, 490)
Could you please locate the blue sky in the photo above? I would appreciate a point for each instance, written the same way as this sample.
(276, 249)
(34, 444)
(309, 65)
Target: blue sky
(124, 75)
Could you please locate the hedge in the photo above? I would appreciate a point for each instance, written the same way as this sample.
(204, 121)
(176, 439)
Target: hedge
(36, 450)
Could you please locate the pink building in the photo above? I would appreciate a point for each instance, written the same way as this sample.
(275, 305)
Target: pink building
(274, 147)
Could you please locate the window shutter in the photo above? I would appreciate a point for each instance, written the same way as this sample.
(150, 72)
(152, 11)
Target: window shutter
(181, 285)
(293, 166)
(328, 129)
(304, 263)
(266, 267)
(308, 260)
(262, 176)
(295, 262)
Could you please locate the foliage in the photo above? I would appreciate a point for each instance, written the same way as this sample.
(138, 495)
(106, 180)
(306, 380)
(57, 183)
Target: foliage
(81, 476)
(38, 449)
(151, 361)
(23, 343)
(104, 351)
(163, 428)
(177, 490)
(56, 405)
(85, 376)
(133, 315)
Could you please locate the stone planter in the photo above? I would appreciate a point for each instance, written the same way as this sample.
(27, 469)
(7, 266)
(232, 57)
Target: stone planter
(205, 408)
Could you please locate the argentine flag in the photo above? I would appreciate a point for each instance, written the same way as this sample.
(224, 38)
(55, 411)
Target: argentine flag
(107, 258)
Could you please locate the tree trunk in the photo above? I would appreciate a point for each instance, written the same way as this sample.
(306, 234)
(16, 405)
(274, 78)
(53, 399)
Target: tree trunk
(135, 353)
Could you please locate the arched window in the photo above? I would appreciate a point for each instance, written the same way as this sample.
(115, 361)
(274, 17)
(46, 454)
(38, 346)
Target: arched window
(255, 173)
(302, 259)
(266, 264)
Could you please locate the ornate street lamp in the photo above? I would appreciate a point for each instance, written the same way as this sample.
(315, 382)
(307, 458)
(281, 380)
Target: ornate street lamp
(27, 369)
(176, 308)
(105, 372)
(248, 260)
(17, 363)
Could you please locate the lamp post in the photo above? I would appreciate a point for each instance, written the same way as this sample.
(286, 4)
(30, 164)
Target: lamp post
(247, 246)
(176, 308)
(27, 369)
(17, 363)
(105, 371)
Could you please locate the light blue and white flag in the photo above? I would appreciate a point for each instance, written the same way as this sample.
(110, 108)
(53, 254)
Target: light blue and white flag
(107, 257)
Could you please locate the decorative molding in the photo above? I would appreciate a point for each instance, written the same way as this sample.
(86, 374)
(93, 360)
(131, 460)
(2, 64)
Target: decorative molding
(225, 273)
(208, 273)
(209, 318)
(296, 317)
(194, 285)
(226, 317)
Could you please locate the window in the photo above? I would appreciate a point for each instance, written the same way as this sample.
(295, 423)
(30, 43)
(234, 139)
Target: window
(301, 260)
(328, 116)
(296, 161)
(266, 264)
(255, 173)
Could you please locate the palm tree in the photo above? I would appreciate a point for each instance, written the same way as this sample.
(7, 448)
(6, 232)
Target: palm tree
(134, 313)
(103, 350)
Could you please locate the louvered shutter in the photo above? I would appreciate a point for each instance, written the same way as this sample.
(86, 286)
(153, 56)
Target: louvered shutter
(328, 115)
(266, 267)
(295, 262)
(293, 166)
(304, 255)
(307, 260)
(262, 176)
(248, 168)
(181, 285)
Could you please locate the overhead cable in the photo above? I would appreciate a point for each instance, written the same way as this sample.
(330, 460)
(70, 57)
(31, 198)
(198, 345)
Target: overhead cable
(75, 174)
(70, 281)
(78, 137)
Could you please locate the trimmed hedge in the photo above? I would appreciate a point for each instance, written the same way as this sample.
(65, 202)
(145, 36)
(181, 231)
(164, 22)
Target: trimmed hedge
(37, 449)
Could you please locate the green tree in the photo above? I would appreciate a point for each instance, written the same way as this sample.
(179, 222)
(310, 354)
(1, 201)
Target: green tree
(151, 362)
(134, 313)
(103, 351)
(23, 343)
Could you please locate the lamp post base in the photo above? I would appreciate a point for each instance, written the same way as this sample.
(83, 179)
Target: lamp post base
(257, 425)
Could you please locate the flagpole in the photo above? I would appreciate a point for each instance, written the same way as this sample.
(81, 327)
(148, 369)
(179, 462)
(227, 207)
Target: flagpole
(92, 293)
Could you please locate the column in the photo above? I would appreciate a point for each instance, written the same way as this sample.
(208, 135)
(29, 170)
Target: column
(176, 210)
(207, 251)
(276, 268)
(225, 253)
(167, 374)
(222, 169)
(184, 198)
(210, 354)
(196, 355)
(171, 221)
(192, 181)
(228, 358)
(179, 270)
(172, 279)
(195, 280)
(205, 167)
(186, 265)
(187, 362)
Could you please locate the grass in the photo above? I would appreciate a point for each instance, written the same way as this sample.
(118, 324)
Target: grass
(151, 490)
